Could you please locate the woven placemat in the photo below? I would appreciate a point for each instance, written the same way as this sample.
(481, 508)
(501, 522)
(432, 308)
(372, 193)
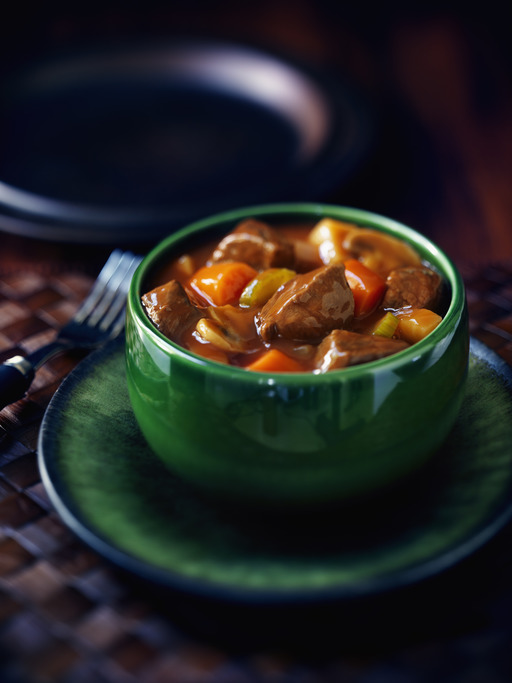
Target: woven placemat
(65, 615)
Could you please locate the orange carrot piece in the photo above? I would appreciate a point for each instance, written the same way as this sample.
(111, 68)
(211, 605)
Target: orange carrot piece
(222, 283)
(367, 287)
(275, 361)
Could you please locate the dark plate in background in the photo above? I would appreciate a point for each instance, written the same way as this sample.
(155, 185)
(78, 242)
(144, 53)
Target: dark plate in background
(128, 145)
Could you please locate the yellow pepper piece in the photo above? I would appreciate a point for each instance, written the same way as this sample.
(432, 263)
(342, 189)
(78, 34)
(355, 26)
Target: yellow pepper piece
(386, 326)
(416, 323)
(260, 288)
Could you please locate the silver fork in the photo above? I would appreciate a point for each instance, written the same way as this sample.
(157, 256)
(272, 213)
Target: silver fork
(99, 319)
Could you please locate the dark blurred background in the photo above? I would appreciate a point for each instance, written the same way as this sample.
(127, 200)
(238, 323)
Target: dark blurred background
(435, 77)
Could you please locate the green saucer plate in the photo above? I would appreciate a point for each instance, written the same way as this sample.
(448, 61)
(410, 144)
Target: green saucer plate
(114, 493)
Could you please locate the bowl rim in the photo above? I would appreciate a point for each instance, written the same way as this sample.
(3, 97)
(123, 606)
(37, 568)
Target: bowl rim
(315, 211)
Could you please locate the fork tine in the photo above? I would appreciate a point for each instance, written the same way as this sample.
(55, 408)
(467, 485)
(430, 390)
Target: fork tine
(110, 289)
(114, 283)
(117, 286)
(96, 292)
(117, 325)
(117, 304)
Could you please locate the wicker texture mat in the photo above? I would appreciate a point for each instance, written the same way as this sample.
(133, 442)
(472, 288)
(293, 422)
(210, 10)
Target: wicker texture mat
(64, 614)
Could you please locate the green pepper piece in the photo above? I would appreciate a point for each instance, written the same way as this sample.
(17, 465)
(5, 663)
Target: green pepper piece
(260, 288)
(387, 326)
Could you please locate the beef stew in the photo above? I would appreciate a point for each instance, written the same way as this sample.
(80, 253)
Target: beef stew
(297, 298)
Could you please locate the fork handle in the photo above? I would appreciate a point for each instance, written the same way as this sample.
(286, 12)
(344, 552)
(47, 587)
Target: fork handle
(16, 376)
(17, 373)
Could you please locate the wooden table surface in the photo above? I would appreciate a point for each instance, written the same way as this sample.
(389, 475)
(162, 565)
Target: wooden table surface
(438, 81)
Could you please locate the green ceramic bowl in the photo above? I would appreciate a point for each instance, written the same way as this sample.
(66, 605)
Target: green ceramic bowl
(295, 438)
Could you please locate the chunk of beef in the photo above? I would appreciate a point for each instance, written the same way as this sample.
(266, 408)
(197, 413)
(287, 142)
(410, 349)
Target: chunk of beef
(170, 309)
(412, 286)
(257, 244)
(342, 348)
(308, 306)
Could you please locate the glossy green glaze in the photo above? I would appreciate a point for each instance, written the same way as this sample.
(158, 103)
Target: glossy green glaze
(295, 438)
